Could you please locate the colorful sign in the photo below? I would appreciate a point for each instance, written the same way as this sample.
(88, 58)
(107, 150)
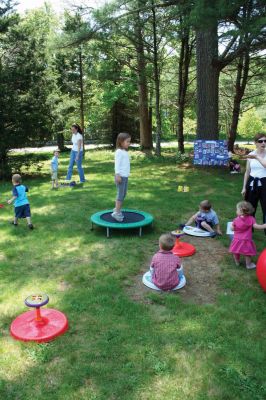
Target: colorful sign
(211, 152)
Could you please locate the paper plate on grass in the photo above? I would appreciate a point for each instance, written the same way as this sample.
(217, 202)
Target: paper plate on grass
(193, 231)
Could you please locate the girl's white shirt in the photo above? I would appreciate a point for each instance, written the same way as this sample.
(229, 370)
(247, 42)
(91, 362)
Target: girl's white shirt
(256, 169)
(122, 163)
(75, 139)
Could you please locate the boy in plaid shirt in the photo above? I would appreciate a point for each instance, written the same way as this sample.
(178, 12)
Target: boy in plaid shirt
(166, 270)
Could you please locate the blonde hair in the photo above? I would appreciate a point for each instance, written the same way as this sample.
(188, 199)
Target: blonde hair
(16, 178)
(245, 207)
(121, 138)
(166, 241)
(205, 205)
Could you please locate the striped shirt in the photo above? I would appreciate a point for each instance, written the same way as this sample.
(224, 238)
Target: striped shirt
(165, 275)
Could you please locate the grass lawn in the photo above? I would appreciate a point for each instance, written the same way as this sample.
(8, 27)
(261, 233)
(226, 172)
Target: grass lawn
(117, 348)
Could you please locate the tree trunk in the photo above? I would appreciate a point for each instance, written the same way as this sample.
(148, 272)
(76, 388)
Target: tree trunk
(157, 85)
(60, 141)
(240, 86)
(5, 171)
(145, 129)
(81, 88)
(183, 72)
(150, 107)
(115, 124)
(207, 83)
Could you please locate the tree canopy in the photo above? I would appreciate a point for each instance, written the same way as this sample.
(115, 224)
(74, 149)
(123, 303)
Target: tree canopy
(155, 69)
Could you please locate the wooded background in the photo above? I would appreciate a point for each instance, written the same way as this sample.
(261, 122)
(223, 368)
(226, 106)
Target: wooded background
(160, 70)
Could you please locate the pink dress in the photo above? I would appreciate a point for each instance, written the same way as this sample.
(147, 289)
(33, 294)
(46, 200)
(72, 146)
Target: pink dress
(242, 242)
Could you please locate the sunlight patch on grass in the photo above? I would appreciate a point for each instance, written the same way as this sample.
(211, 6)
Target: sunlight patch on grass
(45, 210)
(186, 383)
(13, 360)
(14, 304)
(2, 257)
(189, 326)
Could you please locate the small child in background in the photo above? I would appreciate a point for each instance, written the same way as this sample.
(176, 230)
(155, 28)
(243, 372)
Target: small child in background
(21, 202)
(166, 272)
(206, 219)
(54, 169)
(122, 172)
(234, 166)
(242, 243)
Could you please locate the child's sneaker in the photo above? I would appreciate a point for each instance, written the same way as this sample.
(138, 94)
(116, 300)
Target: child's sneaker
(180, 272)
(13, 223)
(30, 226)
(251, 266)
(117, 216)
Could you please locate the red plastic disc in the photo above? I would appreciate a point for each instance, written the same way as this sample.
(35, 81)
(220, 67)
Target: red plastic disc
(26, 328)
(183, 249)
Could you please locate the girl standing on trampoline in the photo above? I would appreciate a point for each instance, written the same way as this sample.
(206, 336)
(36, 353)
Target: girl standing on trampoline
(122, 172)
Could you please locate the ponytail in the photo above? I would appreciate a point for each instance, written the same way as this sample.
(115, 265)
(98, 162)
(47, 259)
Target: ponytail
(78, 128)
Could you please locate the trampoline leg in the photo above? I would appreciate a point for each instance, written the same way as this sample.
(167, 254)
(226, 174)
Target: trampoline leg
(140, 231)
(92, 226)
(108, 232)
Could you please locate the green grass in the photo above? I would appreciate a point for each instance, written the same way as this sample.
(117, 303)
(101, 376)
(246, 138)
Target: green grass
(117, 348)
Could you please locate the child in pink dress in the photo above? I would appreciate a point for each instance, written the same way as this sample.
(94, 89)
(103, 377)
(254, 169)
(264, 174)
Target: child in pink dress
(242, 243)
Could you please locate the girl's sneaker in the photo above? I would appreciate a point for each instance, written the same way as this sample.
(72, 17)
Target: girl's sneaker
(117, 216)
(30, 226)
(251, 266)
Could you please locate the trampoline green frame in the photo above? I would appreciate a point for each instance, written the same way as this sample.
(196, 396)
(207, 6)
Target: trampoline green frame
(96, 220)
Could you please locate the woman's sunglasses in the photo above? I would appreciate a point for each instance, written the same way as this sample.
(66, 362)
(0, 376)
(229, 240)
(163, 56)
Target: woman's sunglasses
(262, 141)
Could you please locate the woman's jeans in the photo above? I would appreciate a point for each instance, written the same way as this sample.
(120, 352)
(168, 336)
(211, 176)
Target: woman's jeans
(72, 161)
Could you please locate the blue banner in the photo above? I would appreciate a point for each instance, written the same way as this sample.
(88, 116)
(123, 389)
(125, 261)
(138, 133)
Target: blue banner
(211, 152)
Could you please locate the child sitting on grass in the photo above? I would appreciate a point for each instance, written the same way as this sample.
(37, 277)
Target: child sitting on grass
(21, 202)
(206, 219)
(54, 169)
(166, 272)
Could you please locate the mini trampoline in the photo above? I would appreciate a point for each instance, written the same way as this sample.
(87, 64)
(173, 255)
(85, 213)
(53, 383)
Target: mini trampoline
(132, 219)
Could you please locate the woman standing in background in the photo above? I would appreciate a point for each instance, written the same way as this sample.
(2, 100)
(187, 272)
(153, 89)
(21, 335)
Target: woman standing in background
(76, 154)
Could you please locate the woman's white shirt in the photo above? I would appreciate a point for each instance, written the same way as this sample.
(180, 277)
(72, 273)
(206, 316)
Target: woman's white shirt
(75, 139)
(256, 169)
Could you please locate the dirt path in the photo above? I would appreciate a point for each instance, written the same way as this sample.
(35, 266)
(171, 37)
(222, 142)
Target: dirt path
(202, 272)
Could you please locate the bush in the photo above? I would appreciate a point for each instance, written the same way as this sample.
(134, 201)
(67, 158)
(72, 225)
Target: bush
(181, 158)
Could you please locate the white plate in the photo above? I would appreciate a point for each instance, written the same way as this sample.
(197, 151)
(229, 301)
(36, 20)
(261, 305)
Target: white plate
(193, 231)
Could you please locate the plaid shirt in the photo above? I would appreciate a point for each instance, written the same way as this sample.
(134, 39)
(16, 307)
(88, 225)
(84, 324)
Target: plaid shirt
(165, 275)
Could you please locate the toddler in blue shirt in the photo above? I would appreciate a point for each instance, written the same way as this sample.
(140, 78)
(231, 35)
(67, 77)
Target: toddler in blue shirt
(206, 218)
(54, 169)
(21, 202)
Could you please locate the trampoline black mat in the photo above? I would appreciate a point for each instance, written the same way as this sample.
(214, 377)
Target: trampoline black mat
(129, 217)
